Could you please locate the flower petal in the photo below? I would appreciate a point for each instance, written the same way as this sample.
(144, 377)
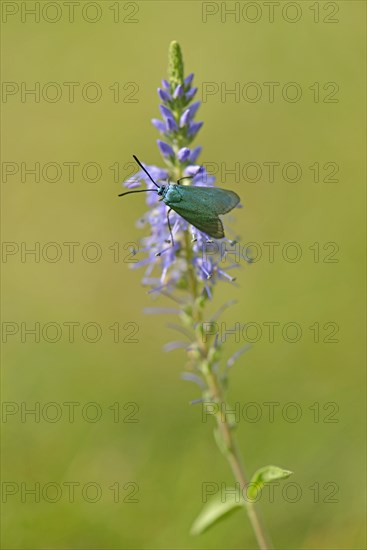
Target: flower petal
(183, 154)
(166, 149)
(159, 125)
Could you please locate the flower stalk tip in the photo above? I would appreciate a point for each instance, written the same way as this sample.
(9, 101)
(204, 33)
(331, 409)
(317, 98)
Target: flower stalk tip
(175, 66)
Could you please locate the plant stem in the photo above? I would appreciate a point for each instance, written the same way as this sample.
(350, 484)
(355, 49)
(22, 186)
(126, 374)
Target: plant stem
(232, 453)
(234, 458)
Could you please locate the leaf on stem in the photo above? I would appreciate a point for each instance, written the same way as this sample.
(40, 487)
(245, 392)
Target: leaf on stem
(267, 474)
(216, 510)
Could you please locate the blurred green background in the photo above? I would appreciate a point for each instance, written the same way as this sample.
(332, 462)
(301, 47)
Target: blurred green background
(170, 452)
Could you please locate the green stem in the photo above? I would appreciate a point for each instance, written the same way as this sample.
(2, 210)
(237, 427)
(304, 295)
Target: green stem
(234, 458)
(232, 453)
(191, 274)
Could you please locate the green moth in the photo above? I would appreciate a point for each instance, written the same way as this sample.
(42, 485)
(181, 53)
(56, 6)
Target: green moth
(198, 205)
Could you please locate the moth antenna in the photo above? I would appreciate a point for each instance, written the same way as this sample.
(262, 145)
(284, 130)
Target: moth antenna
(138, 191)
(146, 171)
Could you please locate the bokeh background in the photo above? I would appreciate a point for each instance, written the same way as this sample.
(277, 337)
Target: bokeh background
(170, 452)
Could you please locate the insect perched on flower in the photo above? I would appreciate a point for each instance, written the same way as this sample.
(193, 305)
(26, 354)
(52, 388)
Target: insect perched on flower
(199, 205)
(187, 214)
(190, 268)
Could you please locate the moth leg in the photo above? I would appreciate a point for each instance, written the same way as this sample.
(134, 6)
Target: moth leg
(169, 227)
(170, 232)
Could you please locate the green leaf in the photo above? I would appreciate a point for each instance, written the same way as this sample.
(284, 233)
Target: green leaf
(267, 474)
(216, 510)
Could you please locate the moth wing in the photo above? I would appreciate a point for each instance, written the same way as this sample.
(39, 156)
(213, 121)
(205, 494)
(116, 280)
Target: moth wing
(200, 206)
(219, 201)
(208, 222)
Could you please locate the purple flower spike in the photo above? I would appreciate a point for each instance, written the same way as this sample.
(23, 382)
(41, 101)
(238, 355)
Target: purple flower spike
(183, 154)
(164, 96)
(188, 80)
(166, 149)
(178, 91)
(180, 261)
(185, 118)
(162, 261)
(159, 125)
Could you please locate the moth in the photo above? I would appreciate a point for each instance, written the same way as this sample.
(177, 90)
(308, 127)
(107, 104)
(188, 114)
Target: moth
(198, 205)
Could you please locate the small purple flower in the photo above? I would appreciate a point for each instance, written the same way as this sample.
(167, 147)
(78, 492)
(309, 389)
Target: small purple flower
(194, 128)
(185, 118)
(178, 91)
(188, 80)
(195, 153)
(194, 170)
(166, 112)
(166, 149)
(193, 109)
(190, 94)
(165, 84)
(159, 125)
(171, 125)
(183, 154)
(164, 96)
(132, 184)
